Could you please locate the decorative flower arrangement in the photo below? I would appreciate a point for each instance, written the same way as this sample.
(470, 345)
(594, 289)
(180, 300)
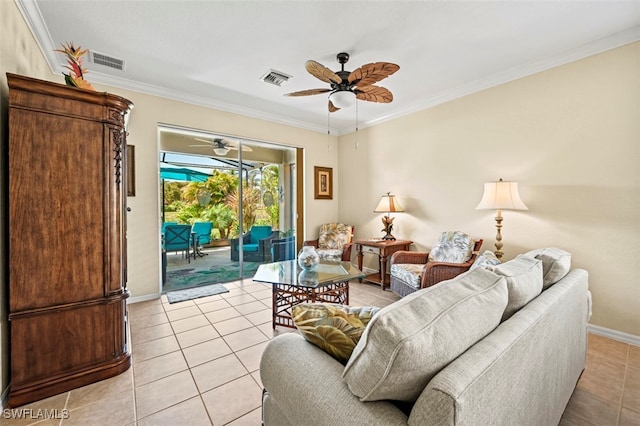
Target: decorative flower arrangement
(75, 77)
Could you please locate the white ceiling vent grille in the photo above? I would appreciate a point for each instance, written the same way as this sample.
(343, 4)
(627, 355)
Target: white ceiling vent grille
(106, 60)
(274, 77)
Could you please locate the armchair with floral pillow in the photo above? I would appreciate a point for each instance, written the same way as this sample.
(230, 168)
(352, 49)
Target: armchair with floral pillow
(334, 242)
(452, 254)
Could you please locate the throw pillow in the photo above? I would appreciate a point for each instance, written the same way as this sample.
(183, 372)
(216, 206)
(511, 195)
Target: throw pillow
(524, 282)
(486, 260)
(411, 340)
(336, 329)
(334, 236)
(556, 263)
(453, 247)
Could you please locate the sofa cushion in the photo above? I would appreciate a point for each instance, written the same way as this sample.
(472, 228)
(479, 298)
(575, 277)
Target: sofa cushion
(336, 329)
(556, 264)
(524, 281)
(411, 340)
(485, 260)
(453, 247)
(331, 255)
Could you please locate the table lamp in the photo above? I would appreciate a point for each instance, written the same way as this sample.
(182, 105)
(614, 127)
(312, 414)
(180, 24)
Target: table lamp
(500, 196)
(388, 204)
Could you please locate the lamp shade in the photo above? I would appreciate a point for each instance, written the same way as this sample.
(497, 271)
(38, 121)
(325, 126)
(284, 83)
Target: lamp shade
(342, 98)
(221, 150)
(387, 204)
(501, 195)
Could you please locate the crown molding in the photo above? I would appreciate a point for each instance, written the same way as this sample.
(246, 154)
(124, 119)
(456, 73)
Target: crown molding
(33, 17)
(613, 41)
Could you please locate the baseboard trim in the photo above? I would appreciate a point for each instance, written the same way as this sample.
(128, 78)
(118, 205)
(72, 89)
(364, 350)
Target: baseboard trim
(144, 298)
(614, 334)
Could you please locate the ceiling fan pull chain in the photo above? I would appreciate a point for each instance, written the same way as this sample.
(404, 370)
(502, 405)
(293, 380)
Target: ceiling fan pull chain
(328, 131)
(355, 142)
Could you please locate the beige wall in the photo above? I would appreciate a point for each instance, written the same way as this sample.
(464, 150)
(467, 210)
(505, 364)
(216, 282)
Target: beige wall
(570, 136)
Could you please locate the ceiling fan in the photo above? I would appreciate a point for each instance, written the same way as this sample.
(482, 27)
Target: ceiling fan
(347, 86)
(222, 146)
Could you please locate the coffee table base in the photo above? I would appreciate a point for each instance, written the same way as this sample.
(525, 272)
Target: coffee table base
(285, 296)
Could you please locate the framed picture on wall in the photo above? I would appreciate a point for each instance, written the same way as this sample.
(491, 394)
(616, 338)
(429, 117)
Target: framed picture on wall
(323, 183)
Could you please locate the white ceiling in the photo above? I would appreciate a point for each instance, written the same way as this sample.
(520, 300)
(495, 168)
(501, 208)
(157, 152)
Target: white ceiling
(213, 53)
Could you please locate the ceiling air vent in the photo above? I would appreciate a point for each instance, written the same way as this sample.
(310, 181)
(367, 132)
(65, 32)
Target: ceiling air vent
(274, 77)
(106, 60)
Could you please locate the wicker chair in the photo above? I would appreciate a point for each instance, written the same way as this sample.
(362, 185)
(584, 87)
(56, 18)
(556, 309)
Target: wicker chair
(427, 273)
(334, 242)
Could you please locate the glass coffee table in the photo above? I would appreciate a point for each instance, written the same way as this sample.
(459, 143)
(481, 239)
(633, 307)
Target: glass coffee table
(291, 285)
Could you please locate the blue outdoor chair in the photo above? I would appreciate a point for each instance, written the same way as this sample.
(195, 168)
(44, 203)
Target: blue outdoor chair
(202, 231)
(283, 249)
(256, 244)
(177, 238)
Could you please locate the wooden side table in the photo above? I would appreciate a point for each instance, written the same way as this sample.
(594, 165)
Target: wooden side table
(384, 249)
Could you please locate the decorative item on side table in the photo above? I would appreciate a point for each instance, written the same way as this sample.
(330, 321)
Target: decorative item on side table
(76, 74)
(308, 258)
(500, 196)
(388, 204)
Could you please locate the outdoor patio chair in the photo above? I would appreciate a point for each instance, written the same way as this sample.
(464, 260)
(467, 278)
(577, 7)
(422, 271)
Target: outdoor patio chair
(177, 238)
(256, 244)
(202, 231)
(283, 249)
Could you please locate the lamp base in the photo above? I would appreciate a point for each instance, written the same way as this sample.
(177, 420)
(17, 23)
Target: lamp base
(387, 221)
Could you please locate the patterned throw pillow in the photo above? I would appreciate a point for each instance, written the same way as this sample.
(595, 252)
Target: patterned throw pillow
(334, 236)
(336, 329)
(486, 260)
(453, 247)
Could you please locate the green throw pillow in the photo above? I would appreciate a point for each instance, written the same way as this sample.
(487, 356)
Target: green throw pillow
(336, 329)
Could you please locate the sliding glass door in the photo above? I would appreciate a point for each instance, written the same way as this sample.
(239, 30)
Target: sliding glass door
(241, 192)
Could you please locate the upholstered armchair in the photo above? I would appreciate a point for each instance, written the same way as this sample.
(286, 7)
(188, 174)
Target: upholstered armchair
(334, 242)
(452, 254)
(256, 244)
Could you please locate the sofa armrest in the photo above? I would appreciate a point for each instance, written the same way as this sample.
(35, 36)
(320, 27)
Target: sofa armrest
(403, 256)
(306, 386)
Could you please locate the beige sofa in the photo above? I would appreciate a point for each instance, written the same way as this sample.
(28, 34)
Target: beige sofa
(499, 347)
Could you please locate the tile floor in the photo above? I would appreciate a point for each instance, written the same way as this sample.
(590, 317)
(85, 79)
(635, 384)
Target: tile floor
(197, 363)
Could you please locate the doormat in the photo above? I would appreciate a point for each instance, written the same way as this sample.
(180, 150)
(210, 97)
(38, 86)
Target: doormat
(195, 293)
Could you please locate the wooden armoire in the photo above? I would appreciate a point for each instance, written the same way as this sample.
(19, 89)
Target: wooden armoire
(67, 237)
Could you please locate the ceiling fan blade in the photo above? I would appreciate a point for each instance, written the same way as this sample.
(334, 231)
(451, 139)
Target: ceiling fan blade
(244, 148)
(199, 145)
(372, 73)
(332, 107)
(308, 92)
(374, 94)
(209, 141)
(322, 73)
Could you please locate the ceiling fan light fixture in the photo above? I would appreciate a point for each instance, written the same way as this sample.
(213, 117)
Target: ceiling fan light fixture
(342, 98)
(221, 150)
